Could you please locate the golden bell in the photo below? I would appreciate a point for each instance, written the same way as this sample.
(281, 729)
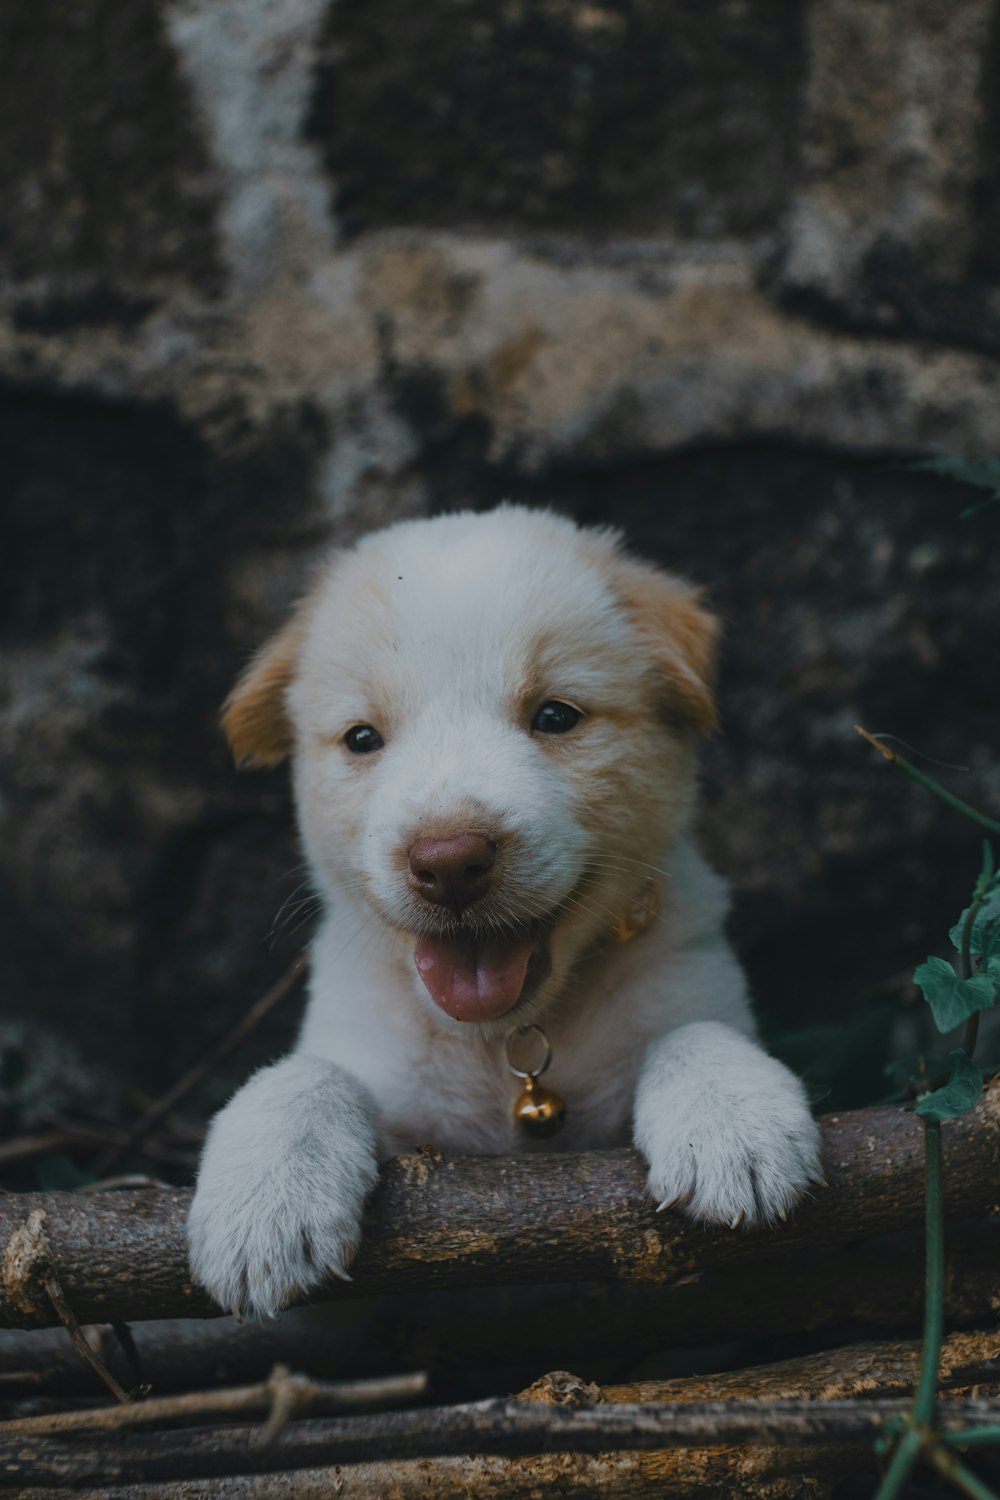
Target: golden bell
(538, 1110)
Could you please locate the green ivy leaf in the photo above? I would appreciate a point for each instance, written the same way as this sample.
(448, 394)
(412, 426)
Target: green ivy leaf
(984, 473)
(951, 999)
(985, 939)
(959, 1094)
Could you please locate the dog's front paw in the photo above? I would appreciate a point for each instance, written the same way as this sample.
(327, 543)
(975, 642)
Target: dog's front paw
(259, 1246)
(286, 1168)
(727, 1134)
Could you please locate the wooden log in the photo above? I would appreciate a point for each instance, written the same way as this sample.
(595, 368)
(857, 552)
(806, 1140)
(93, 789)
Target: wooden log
(877, 1282)
(567, 1426)
(437, 1221)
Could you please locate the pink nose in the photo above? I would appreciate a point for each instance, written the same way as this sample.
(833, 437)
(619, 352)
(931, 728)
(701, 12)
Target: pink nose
(452, 871)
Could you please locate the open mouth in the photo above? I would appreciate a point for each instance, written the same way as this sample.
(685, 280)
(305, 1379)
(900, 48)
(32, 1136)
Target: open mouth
(478, 977)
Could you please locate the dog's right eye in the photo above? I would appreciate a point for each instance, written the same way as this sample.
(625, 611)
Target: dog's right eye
(556, 717)
(363, 739)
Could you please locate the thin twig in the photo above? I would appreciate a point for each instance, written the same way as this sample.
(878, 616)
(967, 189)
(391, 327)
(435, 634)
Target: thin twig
(297, 1393)
(125, 1180)
(126, 1344)
(23, 1147)
(68, 1136)
(928, 782)
(80, 1344)
(283, 1403)
(166, 1102)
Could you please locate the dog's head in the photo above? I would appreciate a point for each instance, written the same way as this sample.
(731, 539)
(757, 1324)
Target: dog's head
(491, 719)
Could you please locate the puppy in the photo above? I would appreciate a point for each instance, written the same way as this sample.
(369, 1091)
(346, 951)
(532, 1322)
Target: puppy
(492, 722)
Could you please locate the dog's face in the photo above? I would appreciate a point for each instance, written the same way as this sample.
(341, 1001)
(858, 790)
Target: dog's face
(491, 720)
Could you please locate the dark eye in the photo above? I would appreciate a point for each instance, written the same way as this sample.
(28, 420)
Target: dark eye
(363, 739)
(555, 717)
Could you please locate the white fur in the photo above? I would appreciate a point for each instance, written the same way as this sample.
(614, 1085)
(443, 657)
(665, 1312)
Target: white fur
(433, 631)
(285, 1172)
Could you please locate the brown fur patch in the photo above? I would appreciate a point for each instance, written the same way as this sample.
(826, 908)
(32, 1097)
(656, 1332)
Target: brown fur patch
(255, 715)
(682, 637)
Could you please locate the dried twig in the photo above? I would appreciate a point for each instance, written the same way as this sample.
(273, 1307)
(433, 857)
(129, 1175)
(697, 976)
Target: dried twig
(293, 1395)
(79, 1137)
(71, 1324)
(126, 1344)
(126, 1180)
(23, 1147)
(215, 1055)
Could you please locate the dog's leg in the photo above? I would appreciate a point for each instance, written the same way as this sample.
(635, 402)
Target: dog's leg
(726, 1129)
(283, 1179)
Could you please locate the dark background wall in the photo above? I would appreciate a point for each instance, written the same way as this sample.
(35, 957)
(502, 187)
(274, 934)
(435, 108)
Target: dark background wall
(271, 275)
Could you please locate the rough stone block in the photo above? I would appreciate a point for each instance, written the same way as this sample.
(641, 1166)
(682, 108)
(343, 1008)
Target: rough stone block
(896, 225)
(620, 117)
(104, 182)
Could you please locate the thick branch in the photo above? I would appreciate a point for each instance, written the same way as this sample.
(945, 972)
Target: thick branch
(879, 1282)
(438, 1221)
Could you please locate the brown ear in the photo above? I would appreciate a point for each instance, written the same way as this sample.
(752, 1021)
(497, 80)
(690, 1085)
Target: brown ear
(255, 715)
(682, 637)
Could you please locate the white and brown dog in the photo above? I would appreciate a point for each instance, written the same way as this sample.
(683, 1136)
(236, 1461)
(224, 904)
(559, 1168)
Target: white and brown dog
(491, 720)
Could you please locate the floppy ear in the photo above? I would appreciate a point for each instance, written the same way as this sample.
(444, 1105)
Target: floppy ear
(681, 637)
(255, 715)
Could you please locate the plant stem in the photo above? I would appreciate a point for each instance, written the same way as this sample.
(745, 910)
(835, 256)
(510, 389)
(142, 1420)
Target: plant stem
(923, 1401)
(903, 1459)
(928, 781)
(948, 1464)
(974, 1437)
(965, 972)
(922, 1411)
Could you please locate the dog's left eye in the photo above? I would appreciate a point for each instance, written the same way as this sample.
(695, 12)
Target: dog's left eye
(555, 717)
(363, 739)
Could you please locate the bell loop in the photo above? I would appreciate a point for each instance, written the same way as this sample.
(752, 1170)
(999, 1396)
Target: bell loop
(540, 1112)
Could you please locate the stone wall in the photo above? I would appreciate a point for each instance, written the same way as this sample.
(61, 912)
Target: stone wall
(273, 274)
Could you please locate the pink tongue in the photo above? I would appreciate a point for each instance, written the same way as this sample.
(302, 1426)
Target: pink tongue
(473, 981)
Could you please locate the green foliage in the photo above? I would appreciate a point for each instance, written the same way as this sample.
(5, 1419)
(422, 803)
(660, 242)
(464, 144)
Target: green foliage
(953, 1000)
(983, 473)
(959, 1094)
(984, 942)
(917, 1073)
(56, 1173)
(843, 1067)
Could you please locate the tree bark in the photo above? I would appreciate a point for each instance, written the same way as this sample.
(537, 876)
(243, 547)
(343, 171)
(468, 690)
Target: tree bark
(437, 1221)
